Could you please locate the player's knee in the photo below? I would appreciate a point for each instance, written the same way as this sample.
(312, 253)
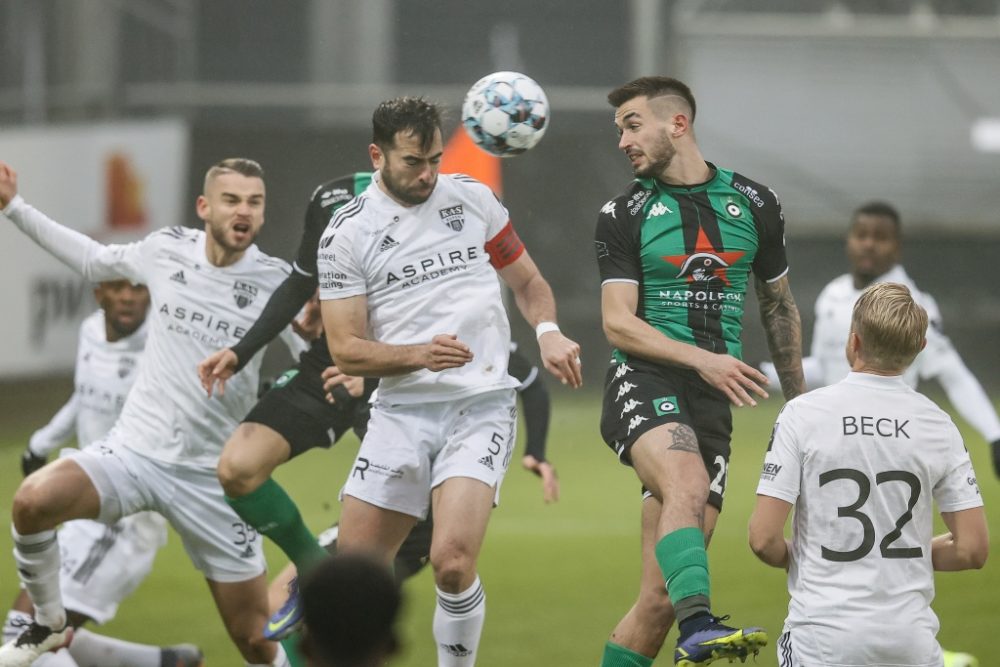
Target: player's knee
(237, 476)
(454, 570)
(30, 510)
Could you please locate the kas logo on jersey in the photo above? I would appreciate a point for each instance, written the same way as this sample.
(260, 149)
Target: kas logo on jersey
(243, 293)
(453, 216)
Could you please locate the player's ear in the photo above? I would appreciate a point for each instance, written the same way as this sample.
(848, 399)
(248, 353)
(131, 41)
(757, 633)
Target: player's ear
(201, 207)
(376, 155)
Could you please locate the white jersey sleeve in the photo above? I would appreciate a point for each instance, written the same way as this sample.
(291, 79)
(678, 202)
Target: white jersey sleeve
(957, 489)
(782, 472)
(60, 429)
(94, 261)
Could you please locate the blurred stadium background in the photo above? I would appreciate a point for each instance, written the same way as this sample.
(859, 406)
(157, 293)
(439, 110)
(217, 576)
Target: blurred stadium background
(112, 110)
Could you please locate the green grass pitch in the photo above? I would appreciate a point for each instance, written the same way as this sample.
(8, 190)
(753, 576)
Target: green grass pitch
(557, 577)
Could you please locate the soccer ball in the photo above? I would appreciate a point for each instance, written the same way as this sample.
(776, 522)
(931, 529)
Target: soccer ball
(505, 113)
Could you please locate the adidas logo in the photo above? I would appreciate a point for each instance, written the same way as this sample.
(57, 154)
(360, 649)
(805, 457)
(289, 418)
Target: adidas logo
(248, 552)
(179, 277)
(387, 243)
(487, 461)
(456, 650)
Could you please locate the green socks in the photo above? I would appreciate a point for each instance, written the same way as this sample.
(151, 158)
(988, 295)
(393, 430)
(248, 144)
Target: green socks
(619, 656)
(272, 513)
(684, 563)
(291, 646)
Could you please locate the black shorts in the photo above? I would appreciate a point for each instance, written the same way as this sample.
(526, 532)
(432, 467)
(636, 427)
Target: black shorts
(639, 396)
(295, 406)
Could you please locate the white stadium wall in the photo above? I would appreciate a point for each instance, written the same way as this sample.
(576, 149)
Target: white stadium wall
(115, 182)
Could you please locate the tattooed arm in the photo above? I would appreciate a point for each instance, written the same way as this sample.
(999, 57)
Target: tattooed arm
(780, 317)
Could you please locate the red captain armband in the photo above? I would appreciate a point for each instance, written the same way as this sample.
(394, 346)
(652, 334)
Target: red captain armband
(505, 247)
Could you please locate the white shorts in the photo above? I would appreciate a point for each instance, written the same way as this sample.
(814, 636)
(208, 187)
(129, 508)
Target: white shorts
(918, 649)
(411, 449)
(102, 565)
(219, 543)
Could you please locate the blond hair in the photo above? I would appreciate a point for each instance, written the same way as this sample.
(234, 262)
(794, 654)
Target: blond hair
(239, 165)
(891, 325)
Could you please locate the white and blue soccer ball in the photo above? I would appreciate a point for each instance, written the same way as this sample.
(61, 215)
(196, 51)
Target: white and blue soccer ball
(505, 113)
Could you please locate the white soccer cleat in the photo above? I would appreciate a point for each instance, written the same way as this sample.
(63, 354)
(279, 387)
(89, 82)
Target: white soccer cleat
(35, 641)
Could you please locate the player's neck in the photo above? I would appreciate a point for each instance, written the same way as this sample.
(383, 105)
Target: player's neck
(219, 256)
(687, 168)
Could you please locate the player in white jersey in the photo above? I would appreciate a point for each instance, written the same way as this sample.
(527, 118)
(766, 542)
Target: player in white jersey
(874, 249)
(410, 293)
(101, 564)
(863, 462)
(206, 288)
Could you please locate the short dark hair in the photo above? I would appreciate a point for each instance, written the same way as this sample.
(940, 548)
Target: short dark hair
(880, 209)
(240, 165)
(650, 87)
(350, 603)
(415, 114)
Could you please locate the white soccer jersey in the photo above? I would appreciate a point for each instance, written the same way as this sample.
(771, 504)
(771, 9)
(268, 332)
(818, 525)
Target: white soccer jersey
(939, 360)
(425, 270)
(196, 308)
(862, 460)
(104, 373)
(834, 307)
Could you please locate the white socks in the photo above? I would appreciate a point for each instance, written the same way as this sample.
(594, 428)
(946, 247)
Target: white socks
(93, 650)
(280, 659)
(458, 624)
(37, 558)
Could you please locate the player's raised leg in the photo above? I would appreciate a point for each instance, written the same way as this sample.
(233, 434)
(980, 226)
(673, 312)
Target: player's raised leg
(59, 492)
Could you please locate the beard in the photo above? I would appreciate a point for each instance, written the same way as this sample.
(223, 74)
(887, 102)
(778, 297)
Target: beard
(659, 157)
(218, 233)
(411, 196)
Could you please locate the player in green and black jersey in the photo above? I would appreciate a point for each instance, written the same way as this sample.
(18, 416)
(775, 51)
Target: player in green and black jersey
(675, 253)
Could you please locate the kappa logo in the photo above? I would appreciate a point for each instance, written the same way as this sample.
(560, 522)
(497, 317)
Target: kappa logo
(625, 388)
(453, 217)
(658, 209)
(609, 209)
(487, 461)
(622, 370)
(387, 243)
(630, 405)
(179, 277)
(634, 422)
(244, 293)
(666, 405)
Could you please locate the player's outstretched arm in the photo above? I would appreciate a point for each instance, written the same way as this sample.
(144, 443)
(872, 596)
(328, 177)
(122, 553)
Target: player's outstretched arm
(962, 387)
(767, 531)
(783, 327)
(45, 440)
(966, 545)
(345, 322)
(93, 260)
(740, 382)
(534, 298)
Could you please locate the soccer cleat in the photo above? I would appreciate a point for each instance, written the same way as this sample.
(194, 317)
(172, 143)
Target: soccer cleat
(35, 641)
(181, 655)
(952, 659)
(286, 620)
(716, 641)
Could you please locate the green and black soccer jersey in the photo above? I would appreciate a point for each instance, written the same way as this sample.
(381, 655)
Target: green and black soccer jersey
(690, 250)
(301, 284)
